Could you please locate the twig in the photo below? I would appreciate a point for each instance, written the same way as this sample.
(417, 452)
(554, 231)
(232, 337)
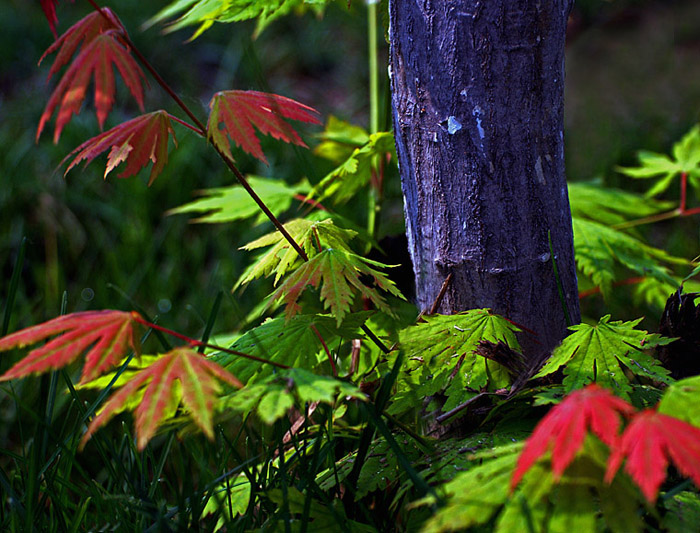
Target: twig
(441, 294)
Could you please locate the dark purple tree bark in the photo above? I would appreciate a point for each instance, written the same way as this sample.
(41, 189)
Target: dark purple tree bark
(478, 94)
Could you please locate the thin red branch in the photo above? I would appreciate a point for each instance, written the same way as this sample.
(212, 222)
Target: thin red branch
(194, 342)
(328, 352)
(684, 192)
(596, 290)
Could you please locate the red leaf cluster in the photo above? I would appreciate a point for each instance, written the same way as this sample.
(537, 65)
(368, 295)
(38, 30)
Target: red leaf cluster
(96, 39)
(49, 7)
(648, 443)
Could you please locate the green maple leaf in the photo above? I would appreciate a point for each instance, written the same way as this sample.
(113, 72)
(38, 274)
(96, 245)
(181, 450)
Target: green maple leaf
(355, 172)
(273, 396)
(685, 159)
(600, 248)
(336, 272)
(440, 354)
(293, 342)
(602, 353)
(228, 204)
(281, 258)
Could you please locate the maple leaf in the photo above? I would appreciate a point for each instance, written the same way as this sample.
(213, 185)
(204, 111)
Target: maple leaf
(336, 272)
(563, 428)
(179, 375)
(685, 160)
(648, 443)
(603, 352)
(227, 204)
(311, 235)
(98, 57)
(240, 111)
(105, 335)
(136, 141)
(49, 7)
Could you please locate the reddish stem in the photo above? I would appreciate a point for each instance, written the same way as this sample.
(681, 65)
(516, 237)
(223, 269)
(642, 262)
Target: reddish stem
(596, 290)
(684, 190)
(328, 352)
(194, 342)
(186, 124)
(310, 201)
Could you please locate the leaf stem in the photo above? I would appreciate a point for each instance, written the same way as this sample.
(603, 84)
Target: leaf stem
(194, 342)
(325, 347)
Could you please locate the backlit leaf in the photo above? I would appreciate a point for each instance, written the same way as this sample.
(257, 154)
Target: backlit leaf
(311, 235)
(179, 376)
(603, 353)
(685, 159)
(106, 336)
(240, 112)
(564, 428)
(648, 443)
(228, 204)
(682, 400)
(137, 142)
(97, 57)
(336, 273)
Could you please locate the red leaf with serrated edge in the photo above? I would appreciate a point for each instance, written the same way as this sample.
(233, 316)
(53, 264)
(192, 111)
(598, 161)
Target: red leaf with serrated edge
(105, 335)
(199, 384)
(240, 111)
(83, 31)
(648, 443)
(98, 58)
(564, 428)
(136, 141)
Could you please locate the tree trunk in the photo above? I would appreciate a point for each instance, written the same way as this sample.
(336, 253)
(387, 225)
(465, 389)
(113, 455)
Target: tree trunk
(477, 95)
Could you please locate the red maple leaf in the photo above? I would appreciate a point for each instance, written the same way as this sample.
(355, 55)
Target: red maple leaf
(82, 32)
(648, 443)
(137, 141)
(155, 386)
(239, 111)
(97, 57)
(49, 7)
(564, 428)
(106, 335)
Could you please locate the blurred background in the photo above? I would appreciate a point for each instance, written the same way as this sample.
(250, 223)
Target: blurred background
(633, 82)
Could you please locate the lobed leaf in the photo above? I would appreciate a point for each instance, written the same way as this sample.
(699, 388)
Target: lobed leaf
(228, 204)
(354, 173)
(312, 236)
(179, 376)
(98, 58)
(602, 353)
(682, 400)
(564, 428)
(106, 336)
(648, 443)
(336, 273)
(240, 112)
(136, 141)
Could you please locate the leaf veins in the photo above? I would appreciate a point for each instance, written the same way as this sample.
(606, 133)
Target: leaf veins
(106, 335)
(241, 111)
(136, 141)
(197, 388)
(100, 53)
(564, 427)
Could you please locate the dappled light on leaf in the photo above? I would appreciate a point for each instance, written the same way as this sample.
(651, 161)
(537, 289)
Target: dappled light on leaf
(181, 375)
(240, 112)
(104, 335)
(136, 142)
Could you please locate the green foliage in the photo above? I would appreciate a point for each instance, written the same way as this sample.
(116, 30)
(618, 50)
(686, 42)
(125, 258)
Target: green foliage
(229, 204)
(682, 400)
(604, 353)
(441, 357)
(685, 160)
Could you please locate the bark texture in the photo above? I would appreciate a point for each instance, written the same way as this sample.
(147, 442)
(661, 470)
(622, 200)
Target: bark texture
(477, 95)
